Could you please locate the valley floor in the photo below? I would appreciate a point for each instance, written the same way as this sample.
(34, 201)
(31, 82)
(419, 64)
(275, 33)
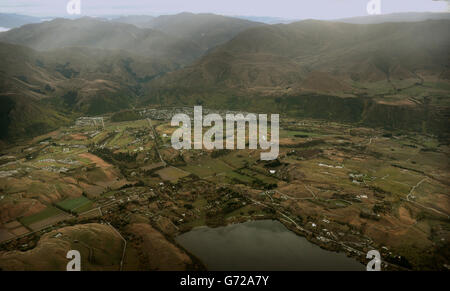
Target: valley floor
(120, 194)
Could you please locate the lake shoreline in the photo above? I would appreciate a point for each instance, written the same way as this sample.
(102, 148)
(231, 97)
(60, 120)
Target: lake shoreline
(271, 222)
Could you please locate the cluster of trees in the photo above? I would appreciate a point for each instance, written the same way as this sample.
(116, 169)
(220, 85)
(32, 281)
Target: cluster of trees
(215, 218)
(125, 115)
(219, 153)
(257, 183)
(369, 215)
(384, 207)
(307, 144)
(109, 156)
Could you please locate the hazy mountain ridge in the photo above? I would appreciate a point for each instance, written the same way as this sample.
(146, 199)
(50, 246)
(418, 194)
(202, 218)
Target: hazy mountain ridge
(397, 17)
(307, 64)
(393, 66)
(137, 20)
(206, 30)
(87, 65)
(267, 19)
(103, 34)
(9, 20)
(182, 37)
(293, 55)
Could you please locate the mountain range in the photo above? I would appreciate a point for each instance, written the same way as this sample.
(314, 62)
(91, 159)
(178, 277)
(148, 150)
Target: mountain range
(337, 71)
(396, 17)
(8, 20)
(102, 34)
(206, 30)
(60, 82)
(55, 70)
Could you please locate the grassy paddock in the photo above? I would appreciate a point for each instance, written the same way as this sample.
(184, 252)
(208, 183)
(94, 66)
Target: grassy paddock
(46, 213)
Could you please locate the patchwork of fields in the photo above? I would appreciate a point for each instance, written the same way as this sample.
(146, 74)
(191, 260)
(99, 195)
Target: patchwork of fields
(343, 187)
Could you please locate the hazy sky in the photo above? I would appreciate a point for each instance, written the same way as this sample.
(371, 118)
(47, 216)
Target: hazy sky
(295, 9)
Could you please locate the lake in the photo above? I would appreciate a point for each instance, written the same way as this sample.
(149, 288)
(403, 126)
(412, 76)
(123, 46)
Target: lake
(264, 245)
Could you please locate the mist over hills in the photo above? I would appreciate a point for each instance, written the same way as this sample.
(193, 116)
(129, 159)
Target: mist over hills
(206, 30)
(399, 64)
(182, 37)
(93, 66)
(137, 20)
(396, 17)
(267, 19)
(322, 56)
(55, 70)
(15, 20)
(102, 34)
